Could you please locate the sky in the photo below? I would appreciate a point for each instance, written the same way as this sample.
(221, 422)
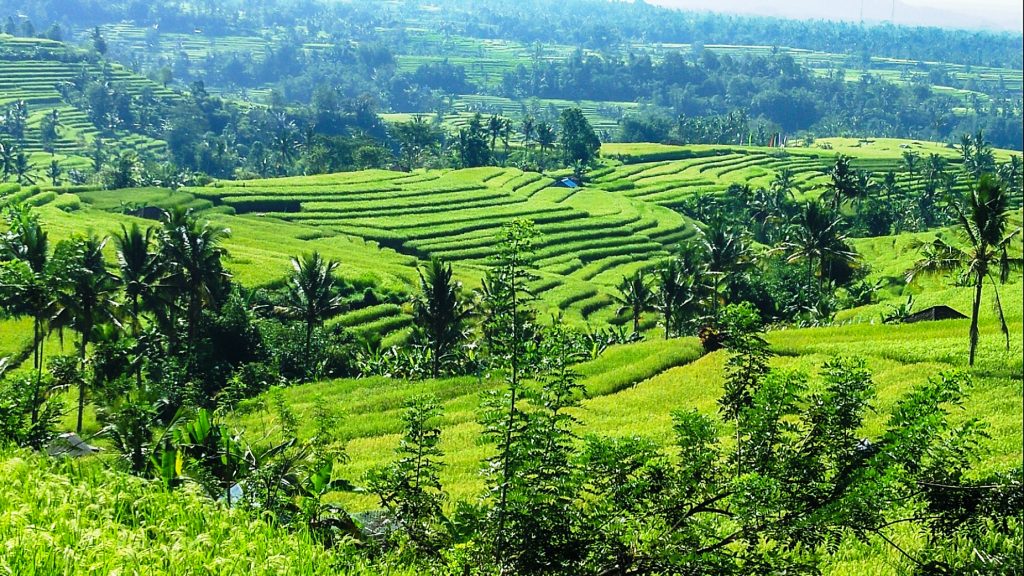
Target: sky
(988, 14)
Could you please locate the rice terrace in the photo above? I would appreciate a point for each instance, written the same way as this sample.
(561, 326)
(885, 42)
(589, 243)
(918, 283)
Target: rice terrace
(477, 288)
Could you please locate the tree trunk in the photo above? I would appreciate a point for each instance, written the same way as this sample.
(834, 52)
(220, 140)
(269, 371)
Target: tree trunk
(81, 380)
(308, 348)
(974, 318)
(37, 361)
(136, 328)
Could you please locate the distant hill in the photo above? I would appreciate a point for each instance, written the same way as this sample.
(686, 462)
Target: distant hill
(967, 15)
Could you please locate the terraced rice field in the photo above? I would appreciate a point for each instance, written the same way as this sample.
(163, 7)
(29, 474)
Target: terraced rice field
(32, 70)
(669, 175)
(590, 238)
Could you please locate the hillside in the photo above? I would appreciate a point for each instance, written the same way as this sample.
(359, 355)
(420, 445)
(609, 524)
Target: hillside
(47, 79)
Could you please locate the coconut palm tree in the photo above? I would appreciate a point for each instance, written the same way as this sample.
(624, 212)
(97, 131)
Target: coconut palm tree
(636, 297)
(439, 313)
(195, 277)
(985, 253)
(140, 267)
(529, 129)
(911, 163)
(495, 125)
(935, 167)
(312, 296)
(978, 158)
(23, 168)
(674, 292)
(1010, 173)
(86, 298)
(817, 240)
(7, 154)
(727, 252)
(843, 182)
(545, 140)
(141, 272)
(506, 133)
(26, 241)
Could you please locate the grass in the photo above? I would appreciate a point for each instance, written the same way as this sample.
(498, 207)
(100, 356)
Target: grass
(62, 517)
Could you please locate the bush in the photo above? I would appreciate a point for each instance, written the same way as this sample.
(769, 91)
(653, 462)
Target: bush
(29, 411)
(333, 351)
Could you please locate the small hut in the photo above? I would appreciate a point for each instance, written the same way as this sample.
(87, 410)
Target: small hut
(70, 444)
(934, 313)
(567, 182)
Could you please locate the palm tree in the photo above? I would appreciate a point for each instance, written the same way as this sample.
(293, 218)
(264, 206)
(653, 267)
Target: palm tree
(7, 154)
(196, 277)
(911, 162)
(141, 273)
(1010, 174)
(311, 295)
(966, 148)
(545, 139)
(673, 293)
(27, 242)
(636, 297)
(285, 146)
(506, 133)
(727, 252)
(86, 298)
(977, 155)
(23, 168)
(54, 172)
(141, 269)
(935, 167)
(866, 186)
(983, 224)
(843, 183)
(495, 124)
(439, 313)
(529, 128)
(817, 240)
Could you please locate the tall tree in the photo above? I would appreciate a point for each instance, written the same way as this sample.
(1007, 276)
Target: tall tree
(912, 164)
(983, 223)
(727, 253)
(29, 293)
(636, 297)
(410, 488)
(580, 144)
(141, 272)
(842, 182)
(312, 296)
(7, 154)
(674, 292)
(86, 298)
(817, 239)
(196, 278)
(545, 140)
(507, 326)
(439, 314)
(529, 131)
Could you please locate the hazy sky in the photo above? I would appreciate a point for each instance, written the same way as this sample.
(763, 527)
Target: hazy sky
(996, 14)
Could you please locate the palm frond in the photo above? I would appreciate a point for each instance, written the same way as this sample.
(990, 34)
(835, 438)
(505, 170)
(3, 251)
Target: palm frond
(937, 257)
